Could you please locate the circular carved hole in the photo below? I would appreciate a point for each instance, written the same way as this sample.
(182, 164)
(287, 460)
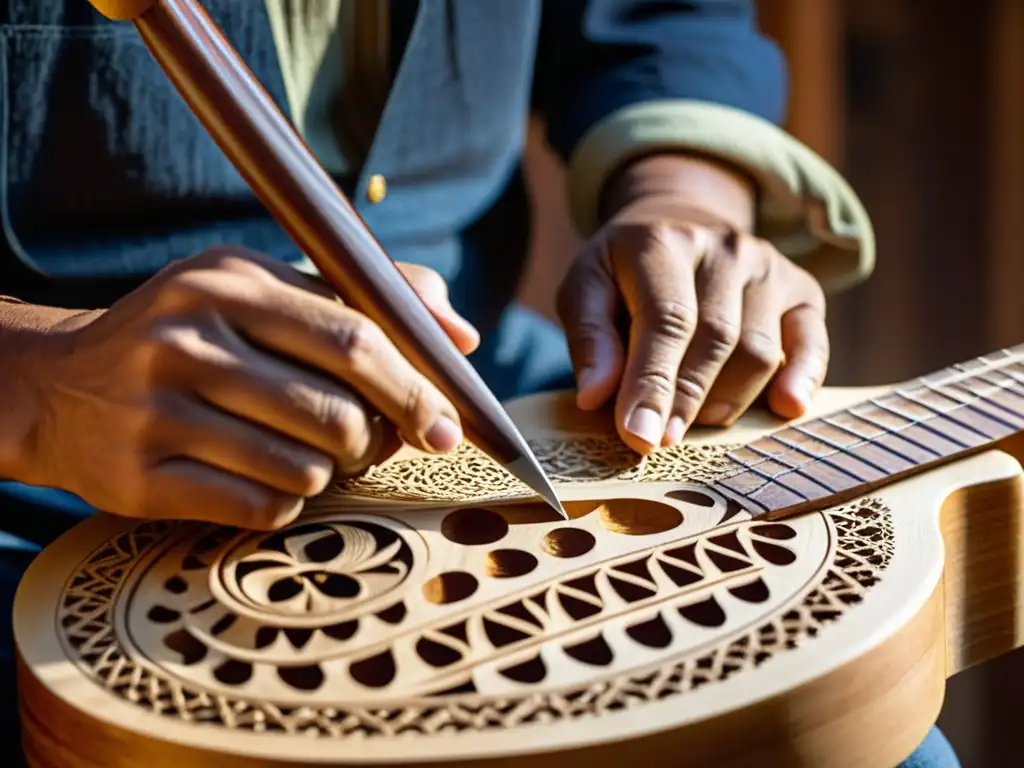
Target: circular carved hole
(578, 509)
(474, 527)
(639, 517)
(509, 563)
(450, 587)
(568, 542)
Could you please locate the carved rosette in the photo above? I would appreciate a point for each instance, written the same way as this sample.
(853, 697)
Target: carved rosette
(359, 624)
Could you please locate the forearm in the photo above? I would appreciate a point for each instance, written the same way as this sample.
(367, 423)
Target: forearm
(25, 333)
(673, 185)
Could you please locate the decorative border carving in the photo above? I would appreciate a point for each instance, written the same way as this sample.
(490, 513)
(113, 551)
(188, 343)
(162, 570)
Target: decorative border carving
(468, 473)
(864, 537)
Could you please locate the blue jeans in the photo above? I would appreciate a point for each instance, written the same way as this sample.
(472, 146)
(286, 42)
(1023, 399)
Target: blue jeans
(525, 354)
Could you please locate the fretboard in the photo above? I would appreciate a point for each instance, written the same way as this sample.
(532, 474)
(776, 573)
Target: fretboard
(915, 426)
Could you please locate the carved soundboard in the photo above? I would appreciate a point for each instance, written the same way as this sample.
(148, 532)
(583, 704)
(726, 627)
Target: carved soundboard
(427, 609)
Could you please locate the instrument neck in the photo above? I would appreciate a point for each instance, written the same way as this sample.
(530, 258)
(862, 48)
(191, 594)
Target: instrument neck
(917, 425)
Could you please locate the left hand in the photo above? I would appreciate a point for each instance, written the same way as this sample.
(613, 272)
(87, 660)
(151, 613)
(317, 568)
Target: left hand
(716, 317)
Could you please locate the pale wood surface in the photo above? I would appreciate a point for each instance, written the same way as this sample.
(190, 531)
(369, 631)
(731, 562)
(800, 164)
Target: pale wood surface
(877, 614)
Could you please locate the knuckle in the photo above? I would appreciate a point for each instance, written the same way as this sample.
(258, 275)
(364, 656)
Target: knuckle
(358, 340)
(688, 393)
(232, 259)
(303, 471)
(662, 233)
(675, 320)
(585, 329)
(345, 421)
(261, 508)
(212, 278)
(185, 288)
(418, 409)
(720, 334)
(168, 343)
(177, 347)
(313, 476)
(656, 384)
(760, 351)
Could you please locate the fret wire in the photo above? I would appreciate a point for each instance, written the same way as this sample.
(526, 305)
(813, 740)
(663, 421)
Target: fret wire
(727, 491)
(836, 446)
(844, 450)
(792, 490)
(922, 423)
(1008, 358)
(778, 481)
(959, 398)
(1017, 377)
(987, 399)
(794, 447)
(750, 447)
(898, 432)
(971, 403)
(822, 459)
(765, 454)
(798, 471)
(953, 384)
(870, 440)
(994, 384)
(997, 386)
(768, 480)
(847, 430)
(757, 472)
(1008, 388)
(983, 364)
(968, 427)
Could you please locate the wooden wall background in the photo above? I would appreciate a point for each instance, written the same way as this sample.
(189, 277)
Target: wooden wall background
(922, 106)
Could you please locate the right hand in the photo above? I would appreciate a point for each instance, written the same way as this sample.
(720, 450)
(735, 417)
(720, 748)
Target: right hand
(229, 388)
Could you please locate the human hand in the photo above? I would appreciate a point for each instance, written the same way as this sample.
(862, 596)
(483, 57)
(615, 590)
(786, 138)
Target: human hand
(229, 388)
(716, 317)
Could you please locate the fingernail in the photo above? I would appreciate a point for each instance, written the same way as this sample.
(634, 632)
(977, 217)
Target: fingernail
(675, 430)
(444, 435)
(646, 424)
(716, 413)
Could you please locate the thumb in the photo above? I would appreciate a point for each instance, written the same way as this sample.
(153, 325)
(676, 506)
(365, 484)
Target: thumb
(805, 345)
(588, 303)
(433, 290)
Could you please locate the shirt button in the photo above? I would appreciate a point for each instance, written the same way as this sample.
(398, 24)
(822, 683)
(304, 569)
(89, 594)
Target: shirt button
(376, 188)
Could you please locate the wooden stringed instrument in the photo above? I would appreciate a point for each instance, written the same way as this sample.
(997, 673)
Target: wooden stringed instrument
(770, 594)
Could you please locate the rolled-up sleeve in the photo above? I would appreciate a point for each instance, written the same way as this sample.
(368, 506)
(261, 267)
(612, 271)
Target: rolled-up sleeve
(619, 79)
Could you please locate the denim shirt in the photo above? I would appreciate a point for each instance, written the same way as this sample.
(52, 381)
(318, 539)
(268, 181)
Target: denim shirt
(105, 172)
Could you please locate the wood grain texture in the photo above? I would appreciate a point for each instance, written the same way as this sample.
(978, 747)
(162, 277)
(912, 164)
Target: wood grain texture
(659, 619)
